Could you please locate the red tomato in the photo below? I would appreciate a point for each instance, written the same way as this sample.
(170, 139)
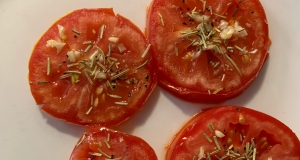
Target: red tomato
(208, 51)
(235, 132)
(103, 74)
(99, 143)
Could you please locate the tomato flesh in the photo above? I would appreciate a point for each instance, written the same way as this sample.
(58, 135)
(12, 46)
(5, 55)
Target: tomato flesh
(240, 132)
(99, 143)
(194, 61)
(99, 76)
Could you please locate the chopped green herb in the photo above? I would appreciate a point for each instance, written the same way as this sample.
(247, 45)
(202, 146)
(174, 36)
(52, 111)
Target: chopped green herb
(48, 66)
(217, 64)
(95, 154)
(220, 15)
(161, 19)
(43, 82)
(102, 66)
(108, 84)
(81, 140)
(90, 109)
(119, 75)
(76, 32)
(72, 65)
(239, 48)
(122, 103)
(88, 88)
(234, 64)
(114, 96)
(74, 72)
(216, 142)
(88, 78)
(235, 11)
(87, 42)
(142, 65)
(223, 77)
(107, 144)
(102, 31)
(146, 51)
(105, 154)
(218, 90)
(88, 48)
(214, 152)
(109, 50)
(206, 136)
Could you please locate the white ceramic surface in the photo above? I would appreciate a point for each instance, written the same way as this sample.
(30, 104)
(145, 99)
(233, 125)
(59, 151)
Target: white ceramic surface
(27, 133)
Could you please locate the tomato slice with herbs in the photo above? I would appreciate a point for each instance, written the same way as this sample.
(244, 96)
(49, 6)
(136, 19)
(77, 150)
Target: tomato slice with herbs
(92, 67)
(99, 143)
(208, 50)
(236, 133)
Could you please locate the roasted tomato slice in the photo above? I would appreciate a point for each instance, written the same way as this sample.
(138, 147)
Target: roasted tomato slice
(208, 51)
(92, 66)
(99, 143)
(235, 133)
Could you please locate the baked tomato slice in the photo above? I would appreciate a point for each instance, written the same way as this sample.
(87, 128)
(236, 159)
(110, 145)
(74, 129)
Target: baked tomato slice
(92, 67)
(99, 143)
(208, 51)
(236, 133)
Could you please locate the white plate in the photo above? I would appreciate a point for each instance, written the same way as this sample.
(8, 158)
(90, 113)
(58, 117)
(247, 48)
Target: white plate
(27, 133)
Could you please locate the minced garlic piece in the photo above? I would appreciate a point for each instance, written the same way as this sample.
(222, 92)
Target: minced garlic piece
(72, 55)
(219, 134)
(223, 24)
(53, 43)
(227, 32)
(61, 31)
(113, 39)
(239, 31)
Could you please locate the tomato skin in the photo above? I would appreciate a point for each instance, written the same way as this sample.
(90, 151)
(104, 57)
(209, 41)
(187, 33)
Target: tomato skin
(121, 145)
(284, 143)
(70, 102)
(181, 77)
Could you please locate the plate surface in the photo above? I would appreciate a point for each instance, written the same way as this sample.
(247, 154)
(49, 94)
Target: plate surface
(28, 133)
